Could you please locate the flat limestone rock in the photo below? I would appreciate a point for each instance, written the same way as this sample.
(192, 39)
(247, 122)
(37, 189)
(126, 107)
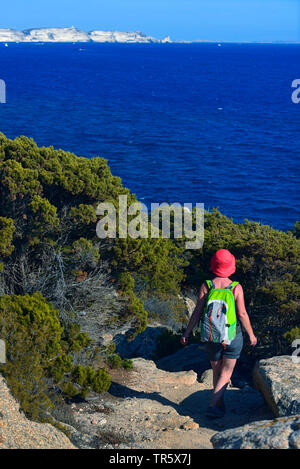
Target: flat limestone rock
(278, 379)
(280, 433)
(154, 377)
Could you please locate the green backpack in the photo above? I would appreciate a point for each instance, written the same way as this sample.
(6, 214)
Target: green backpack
(218, 322)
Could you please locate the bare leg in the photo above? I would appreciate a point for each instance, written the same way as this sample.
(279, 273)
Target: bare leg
(216, 366)
(225, 374)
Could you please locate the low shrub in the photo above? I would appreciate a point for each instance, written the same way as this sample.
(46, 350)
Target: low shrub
(41, 352)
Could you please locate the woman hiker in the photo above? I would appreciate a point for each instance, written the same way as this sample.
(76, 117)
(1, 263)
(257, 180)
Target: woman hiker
(222, 357)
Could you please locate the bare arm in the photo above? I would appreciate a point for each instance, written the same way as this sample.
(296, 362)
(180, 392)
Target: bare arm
(242, 313)
(194, 319)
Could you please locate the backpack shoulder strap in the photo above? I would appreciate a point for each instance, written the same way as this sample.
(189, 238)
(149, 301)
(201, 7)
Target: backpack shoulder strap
(232, 286)
(210, 284)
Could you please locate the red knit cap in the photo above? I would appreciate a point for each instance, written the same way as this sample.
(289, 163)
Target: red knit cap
(222, 263)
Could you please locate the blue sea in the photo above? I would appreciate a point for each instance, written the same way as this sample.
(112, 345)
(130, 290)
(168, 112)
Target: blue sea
(195, 123)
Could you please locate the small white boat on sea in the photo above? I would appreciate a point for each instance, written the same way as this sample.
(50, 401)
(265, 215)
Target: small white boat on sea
(219, 45)
(5, 44)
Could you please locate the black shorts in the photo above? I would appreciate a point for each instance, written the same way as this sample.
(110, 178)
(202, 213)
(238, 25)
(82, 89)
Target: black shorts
(216, 351)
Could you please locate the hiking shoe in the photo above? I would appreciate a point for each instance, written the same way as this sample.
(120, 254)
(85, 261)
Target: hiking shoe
(214, 412)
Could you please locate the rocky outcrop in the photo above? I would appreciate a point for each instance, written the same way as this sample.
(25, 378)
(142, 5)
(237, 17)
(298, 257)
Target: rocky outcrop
(17, 432)
(278, 379)
(143, 346)
(190, 299)
(191, 357)
(280, 433)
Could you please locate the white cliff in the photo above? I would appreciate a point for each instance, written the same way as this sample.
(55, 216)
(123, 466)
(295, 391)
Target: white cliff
(75, 35)
(11, 35)
(117, 36)
(55, 35)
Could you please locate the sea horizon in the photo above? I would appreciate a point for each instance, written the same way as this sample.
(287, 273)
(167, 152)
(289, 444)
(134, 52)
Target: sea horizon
(200, 124)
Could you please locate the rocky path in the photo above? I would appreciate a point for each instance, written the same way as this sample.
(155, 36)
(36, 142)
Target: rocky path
(151, 408)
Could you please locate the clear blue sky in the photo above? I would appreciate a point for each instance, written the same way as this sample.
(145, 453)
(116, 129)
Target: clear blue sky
(227, 20)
